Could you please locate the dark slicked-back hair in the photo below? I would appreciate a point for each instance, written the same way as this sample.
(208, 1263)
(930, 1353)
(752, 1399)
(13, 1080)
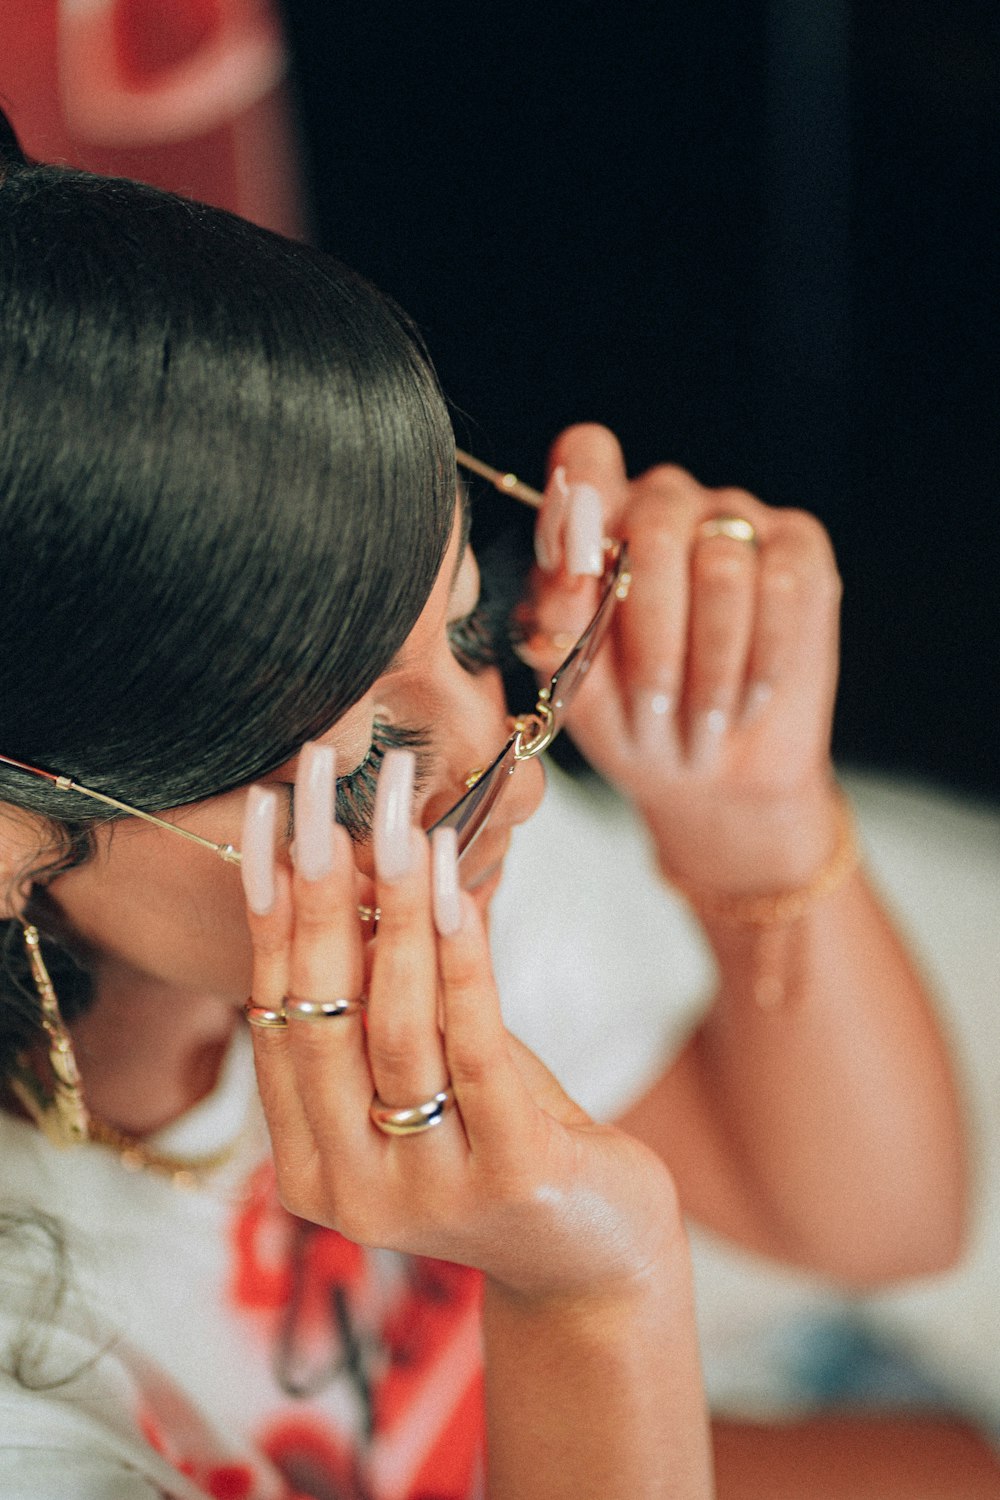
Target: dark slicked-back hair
(227, 480)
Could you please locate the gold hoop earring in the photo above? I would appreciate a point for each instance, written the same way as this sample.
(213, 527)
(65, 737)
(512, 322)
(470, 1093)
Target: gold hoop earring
(51, 1092)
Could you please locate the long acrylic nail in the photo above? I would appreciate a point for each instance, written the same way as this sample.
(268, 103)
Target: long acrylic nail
(393, 827)
(708, 729)
(314, 802)
(584, 531)
(551, 520)
(446, 900)
(257, 865)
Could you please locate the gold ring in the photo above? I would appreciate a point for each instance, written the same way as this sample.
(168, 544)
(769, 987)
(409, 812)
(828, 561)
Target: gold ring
(299, 1009)
(264, 1017)
(737, 528)
(412, 1121)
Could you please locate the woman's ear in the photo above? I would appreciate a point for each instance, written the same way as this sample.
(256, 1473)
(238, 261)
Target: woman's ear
(22, 839)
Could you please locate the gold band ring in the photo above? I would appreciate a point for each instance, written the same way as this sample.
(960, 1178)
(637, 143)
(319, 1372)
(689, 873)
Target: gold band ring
(737, 528)
(412, 1121)
(263, 1017)
(299, 1009)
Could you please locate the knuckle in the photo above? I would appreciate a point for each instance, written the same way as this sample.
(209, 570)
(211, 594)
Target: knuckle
(804, 524)
(461, 970)
(722, 568)
(733, 498)
(779, 581)
(587, 432)
(291, 1192)
(808, 534)
(474, 1068)
(392, 1052)
(669, 478)
(270, 941)
(401, 907)
(654, 534)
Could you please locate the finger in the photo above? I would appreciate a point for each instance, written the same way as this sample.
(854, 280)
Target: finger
(586, 489)
(405, 1050)
(496, 1108)
(723, 590)
(268, 906)
(269, 917)
(592, 454)
(326, 960)
(326, 965)
(652, 628)
(798, 600)
(585, 492)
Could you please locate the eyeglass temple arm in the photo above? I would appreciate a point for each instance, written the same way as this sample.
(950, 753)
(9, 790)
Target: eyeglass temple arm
(507, 484)
(67, 784)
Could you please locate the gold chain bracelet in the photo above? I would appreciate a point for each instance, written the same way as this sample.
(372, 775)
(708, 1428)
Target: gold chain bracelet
(781, 908)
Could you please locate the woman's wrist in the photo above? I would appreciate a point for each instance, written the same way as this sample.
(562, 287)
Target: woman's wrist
(779, 905)
(765, 847)
(606, 1249)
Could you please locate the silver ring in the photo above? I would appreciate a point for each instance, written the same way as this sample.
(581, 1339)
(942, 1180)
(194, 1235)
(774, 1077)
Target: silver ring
(737, 528)
(264, 1017)
(412, 1121)
(299, 1009)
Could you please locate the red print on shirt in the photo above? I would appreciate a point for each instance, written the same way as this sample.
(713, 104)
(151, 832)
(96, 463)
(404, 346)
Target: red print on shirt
(406, 1344)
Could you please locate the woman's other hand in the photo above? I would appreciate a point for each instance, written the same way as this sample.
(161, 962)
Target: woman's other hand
(711, 703)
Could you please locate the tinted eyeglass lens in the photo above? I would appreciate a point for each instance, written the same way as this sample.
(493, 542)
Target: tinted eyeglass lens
(468, 817)
(570, 675)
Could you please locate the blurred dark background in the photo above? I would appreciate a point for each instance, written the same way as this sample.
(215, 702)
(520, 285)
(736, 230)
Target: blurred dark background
(757, 239)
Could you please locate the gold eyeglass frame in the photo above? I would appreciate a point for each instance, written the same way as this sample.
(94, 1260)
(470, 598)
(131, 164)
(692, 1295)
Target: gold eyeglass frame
(541, 725)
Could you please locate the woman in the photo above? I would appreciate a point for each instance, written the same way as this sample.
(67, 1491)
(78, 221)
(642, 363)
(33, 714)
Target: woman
(233, 566)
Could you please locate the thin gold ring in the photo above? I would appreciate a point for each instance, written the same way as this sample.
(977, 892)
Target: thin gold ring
(264, 1018)
(737, 528)
(298, 1008)
(416, 1119)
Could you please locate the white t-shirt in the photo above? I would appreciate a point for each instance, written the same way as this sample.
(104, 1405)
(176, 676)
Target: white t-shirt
(154, 1374)
(604, 974)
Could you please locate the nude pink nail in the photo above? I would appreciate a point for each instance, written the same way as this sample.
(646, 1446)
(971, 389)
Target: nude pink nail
(314, 802)
(257, 865)
(585, 531)
(393, 826)
(446, 900)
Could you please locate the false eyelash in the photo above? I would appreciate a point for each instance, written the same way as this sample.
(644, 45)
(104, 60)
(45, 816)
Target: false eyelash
(473, 640)
(355, 792)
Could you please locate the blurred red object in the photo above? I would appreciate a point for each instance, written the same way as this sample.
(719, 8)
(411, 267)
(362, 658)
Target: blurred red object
(186, 94)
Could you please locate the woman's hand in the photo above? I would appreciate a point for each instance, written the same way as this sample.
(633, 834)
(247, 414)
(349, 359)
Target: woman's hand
(591, 1359)
(515, 1179)
(711, 703)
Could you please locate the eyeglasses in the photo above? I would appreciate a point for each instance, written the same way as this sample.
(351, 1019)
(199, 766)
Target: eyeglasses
(532, 732)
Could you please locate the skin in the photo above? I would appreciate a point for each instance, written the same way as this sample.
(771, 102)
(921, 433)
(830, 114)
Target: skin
(750, 1120)
(588, 1312)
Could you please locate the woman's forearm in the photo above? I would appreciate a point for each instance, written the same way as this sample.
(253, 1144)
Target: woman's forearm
(597, 1396)
(822, 1077)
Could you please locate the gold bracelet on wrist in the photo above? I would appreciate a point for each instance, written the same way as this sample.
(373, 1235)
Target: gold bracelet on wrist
(780, 908)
